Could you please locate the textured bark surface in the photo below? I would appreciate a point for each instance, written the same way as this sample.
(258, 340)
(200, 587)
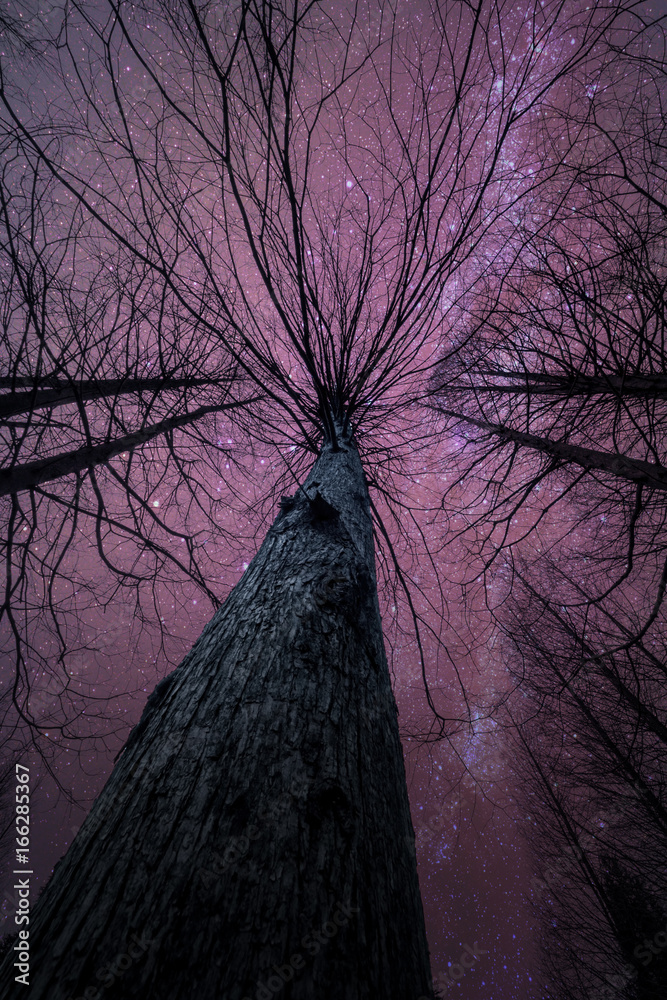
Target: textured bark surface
(255, 834)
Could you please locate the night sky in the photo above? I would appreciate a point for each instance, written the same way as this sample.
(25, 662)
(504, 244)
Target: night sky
(473, 861)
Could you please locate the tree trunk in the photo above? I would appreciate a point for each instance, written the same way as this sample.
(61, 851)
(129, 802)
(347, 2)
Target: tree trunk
(42, 470)
(634, 470)
(254, 839)
(526, 383)
(54, 392)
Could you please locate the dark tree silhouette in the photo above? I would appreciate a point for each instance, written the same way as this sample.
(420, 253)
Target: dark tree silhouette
(161, 274)
(287, 691)
(555, 388)
(272, 207)
(556, 385)
(588, 734)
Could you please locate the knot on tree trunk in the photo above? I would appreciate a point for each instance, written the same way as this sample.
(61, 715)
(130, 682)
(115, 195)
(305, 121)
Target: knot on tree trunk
(328, 802)
(317, 506)
(321, 509)
(335, 591)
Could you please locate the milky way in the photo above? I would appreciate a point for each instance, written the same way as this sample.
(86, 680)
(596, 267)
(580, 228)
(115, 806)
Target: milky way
(250, 232)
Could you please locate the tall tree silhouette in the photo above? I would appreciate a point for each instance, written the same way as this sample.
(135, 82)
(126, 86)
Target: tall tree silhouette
(588, 734)
(555, 385)
(276, 204)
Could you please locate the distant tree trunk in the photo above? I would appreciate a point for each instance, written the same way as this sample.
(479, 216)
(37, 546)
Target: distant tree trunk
(633, 470)
(43, 470)
(254, 839)
(52, 392)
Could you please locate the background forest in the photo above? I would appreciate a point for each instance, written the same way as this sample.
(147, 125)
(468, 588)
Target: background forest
(226, 228)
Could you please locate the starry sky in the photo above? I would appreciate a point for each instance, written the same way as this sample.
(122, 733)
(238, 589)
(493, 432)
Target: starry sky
(365, 151)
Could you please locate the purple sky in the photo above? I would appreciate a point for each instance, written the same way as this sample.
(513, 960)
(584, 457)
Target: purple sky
(473, 863)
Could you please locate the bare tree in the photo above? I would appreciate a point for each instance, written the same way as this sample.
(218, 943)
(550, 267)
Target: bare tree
(290, 199)
(555, 387)
(99, 367)
(588, 736)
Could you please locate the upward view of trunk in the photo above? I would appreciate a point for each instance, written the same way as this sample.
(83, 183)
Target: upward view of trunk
(254, 839)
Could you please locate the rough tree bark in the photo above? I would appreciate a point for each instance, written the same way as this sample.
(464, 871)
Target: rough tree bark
(255, 835)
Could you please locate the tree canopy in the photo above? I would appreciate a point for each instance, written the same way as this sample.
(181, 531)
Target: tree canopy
(229, 230)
